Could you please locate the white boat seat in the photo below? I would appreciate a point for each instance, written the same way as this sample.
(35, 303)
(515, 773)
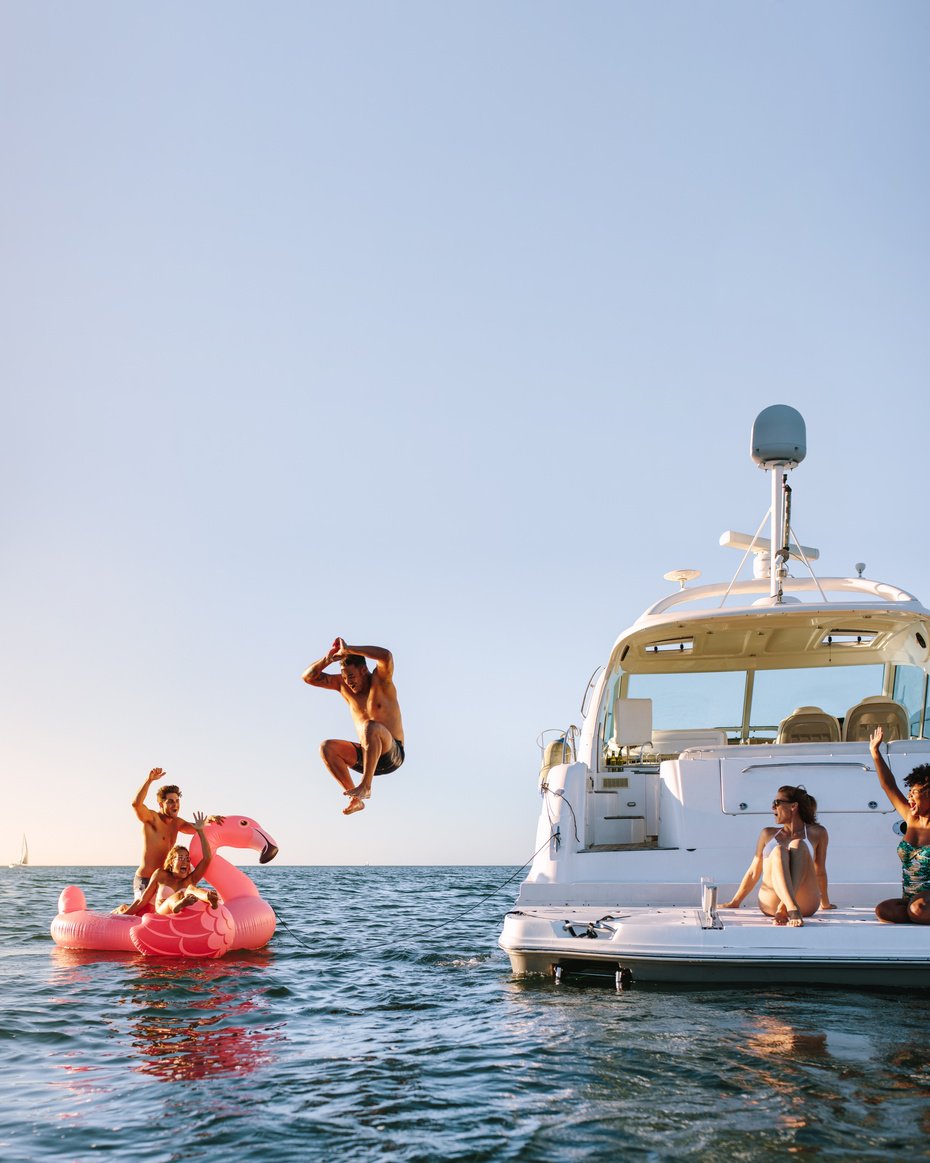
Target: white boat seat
(876, 711)
(674, 742)
(809, 725)
(632, 723)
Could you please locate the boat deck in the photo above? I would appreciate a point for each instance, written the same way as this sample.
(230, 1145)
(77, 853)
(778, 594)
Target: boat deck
(845, 946)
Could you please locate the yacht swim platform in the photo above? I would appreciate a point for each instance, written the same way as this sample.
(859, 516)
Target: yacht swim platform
(843, 947)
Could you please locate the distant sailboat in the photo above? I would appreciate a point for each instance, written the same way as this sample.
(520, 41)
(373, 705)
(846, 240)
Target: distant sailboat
(23, 861)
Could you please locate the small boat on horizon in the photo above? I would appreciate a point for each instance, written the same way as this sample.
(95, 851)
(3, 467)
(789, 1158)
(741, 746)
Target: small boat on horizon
(713, 699)
(23, 861)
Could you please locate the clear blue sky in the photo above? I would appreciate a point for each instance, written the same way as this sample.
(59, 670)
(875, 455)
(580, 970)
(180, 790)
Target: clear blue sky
(434, 326)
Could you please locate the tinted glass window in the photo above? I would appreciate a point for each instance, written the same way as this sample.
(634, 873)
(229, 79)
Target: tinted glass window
(687, 701)
(832, 688)
(909, 690)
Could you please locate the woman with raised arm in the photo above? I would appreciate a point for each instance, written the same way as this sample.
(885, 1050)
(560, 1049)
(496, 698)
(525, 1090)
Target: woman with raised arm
(174, 885)
(913, 906)
(791, 859)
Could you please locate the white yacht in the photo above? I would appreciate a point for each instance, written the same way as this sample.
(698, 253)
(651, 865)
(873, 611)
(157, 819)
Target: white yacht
(713, 699)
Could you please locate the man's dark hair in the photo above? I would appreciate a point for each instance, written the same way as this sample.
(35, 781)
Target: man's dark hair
(919, 777)
(355, 660)
(167, 789)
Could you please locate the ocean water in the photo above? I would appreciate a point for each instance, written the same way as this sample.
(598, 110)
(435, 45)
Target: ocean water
(383, 1023)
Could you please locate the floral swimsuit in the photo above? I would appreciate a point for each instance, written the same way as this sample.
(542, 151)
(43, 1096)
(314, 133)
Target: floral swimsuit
(915, 869)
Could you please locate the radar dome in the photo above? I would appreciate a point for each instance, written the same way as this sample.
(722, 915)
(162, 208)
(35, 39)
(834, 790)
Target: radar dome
(779, 437)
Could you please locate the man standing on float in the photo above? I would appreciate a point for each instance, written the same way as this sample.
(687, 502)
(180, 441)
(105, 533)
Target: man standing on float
(372, 701)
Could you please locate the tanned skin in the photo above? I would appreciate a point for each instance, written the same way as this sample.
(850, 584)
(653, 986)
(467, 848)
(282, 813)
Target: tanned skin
(180, 877)
(914, 810)
(372, 701)
(793, 885)
(160, 829)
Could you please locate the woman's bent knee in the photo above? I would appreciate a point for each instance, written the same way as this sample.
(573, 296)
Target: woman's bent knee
(892, 912)
(919, 911)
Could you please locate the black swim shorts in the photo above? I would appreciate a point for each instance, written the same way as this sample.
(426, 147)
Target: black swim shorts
(389, 761)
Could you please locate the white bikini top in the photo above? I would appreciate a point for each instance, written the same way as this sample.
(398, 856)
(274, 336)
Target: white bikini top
(164, 891)
(772, 844)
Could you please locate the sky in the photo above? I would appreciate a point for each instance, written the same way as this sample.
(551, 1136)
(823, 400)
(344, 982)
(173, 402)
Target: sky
(440, 327)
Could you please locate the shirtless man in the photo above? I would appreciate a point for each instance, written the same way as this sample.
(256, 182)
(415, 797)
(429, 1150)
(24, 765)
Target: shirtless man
(372, 702)
(159, 829)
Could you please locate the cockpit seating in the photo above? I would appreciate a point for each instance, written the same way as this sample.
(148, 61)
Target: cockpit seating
(809, 725)
(876, 711)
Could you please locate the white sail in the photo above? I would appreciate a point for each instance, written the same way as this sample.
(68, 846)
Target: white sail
(23, 861)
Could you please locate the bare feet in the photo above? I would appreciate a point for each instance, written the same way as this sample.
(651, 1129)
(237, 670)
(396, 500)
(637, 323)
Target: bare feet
(355, 805)
(185, 900)
(780, 918)
(359, 793)
(213, 897)
(794, 918)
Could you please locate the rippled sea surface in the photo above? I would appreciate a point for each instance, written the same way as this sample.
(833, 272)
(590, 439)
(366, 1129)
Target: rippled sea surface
(383, 1023)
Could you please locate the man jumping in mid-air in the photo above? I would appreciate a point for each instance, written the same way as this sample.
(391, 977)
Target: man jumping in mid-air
(372, 700)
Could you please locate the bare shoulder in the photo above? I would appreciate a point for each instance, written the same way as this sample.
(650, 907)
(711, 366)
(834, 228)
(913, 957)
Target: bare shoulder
(143, 811)
(764, 836)
(382, 679)
(149, 817)
(384, 667)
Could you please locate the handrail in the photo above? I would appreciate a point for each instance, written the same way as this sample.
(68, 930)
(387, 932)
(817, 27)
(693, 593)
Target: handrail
(567, 737)
(804, 763)
(880, 591)
(589, 688)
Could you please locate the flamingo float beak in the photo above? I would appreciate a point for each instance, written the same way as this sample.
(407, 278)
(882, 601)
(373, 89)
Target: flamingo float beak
(270, 850)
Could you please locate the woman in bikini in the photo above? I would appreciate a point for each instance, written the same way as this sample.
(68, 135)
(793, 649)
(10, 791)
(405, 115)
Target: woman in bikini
(174, 885)
(913, 906)
(791, 859)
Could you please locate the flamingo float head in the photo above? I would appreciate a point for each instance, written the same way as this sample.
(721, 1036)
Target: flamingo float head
(242, 832)
(236, 832)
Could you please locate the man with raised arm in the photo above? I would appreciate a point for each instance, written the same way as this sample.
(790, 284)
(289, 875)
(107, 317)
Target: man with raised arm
(373, 704)
(159, 829)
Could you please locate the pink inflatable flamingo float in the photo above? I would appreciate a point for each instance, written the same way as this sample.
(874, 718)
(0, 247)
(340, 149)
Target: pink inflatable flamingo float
(241, 921)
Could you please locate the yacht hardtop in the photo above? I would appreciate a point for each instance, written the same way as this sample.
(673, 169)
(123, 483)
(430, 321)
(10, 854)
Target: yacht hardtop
(713, 699)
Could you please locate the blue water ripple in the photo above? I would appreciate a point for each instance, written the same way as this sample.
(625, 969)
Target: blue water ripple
(384, 1022)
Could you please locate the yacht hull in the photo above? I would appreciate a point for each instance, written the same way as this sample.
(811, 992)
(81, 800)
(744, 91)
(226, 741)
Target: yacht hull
(682, 945)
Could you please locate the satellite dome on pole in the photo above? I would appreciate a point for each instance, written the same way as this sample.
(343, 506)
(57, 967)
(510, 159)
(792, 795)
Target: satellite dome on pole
(779, 437)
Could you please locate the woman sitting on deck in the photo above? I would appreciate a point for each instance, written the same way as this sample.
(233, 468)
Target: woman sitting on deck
(914, 904)
(792, 861)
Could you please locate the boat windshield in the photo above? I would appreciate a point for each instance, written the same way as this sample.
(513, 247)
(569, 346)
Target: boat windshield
(715, 699)
(834, 689)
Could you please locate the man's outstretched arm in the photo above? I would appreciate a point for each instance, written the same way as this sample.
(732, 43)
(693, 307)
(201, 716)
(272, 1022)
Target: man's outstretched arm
(138, 804)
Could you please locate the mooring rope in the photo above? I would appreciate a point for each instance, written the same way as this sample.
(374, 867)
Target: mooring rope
(450, 921)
